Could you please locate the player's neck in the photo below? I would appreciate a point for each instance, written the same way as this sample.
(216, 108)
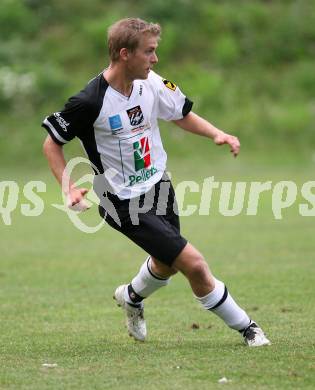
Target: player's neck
(118, 79)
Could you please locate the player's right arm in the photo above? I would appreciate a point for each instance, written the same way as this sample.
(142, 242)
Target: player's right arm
(57, 163)
(62, 127)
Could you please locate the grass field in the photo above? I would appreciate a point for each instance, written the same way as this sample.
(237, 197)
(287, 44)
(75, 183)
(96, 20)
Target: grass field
(57, 285)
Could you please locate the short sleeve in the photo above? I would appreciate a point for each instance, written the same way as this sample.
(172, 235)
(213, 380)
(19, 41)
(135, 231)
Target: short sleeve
(64, 125)
(172, 103)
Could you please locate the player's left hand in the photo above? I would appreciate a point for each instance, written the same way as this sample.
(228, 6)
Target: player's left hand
(223, 138)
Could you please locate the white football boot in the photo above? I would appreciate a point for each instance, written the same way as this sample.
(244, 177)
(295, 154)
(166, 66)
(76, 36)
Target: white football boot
(254, 336)
(135, 321)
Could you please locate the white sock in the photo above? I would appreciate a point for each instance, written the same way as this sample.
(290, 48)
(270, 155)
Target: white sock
(144, 284)
(220, 302)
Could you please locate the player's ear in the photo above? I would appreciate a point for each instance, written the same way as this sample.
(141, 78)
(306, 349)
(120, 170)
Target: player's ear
(124, 54)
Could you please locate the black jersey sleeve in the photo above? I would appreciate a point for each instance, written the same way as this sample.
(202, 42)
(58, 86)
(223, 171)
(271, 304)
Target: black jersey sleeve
(71, 121)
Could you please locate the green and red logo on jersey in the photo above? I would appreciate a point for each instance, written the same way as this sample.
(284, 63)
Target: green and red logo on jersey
(141, 153)
(142, 160)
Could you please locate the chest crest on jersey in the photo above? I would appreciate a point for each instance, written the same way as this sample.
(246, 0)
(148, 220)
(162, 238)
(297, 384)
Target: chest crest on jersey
(135, 115)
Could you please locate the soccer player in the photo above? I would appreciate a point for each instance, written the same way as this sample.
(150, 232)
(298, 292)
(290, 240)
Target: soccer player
(116, 119)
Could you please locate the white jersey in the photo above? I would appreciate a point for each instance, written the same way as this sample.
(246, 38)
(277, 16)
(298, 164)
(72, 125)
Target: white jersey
(120, 134)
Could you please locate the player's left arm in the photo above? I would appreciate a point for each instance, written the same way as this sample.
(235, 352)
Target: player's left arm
(197, 125)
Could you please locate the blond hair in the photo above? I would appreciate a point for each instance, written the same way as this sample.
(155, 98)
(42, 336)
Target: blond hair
(126, 33)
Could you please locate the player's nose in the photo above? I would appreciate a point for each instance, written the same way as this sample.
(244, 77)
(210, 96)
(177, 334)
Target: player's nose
(154, 58)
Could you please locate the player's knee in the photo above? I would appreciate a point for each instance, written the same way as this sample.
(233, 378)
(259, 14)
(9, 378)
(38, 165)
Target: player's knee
(191, 263)
(197, 266)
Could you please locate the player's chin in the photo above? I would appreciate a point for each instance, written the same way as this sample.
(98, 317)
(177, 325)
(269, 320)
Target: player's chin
(145, 74)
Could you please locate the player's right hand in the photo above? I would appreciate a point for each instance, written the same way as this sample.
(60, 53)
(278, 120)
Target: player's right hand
(75, 199)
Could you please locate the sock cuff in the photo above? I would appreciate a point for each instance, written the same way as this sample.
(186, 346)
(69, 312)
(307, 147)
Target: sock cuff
(215, 297)
(224, 296)
(146, 282)
(149, 266)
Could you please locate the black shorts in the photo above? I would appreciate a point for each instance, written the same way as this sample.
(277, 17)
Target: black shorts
(149, 220)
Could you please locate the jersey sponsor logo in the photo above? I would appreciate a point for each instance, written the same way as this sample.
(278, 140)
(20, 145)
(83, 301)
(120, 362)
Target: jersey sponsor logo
(168, 84)
(142, 176)
(61, 122)
(142, 160)
(135, 115)
(115, 123)
(141, 153)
